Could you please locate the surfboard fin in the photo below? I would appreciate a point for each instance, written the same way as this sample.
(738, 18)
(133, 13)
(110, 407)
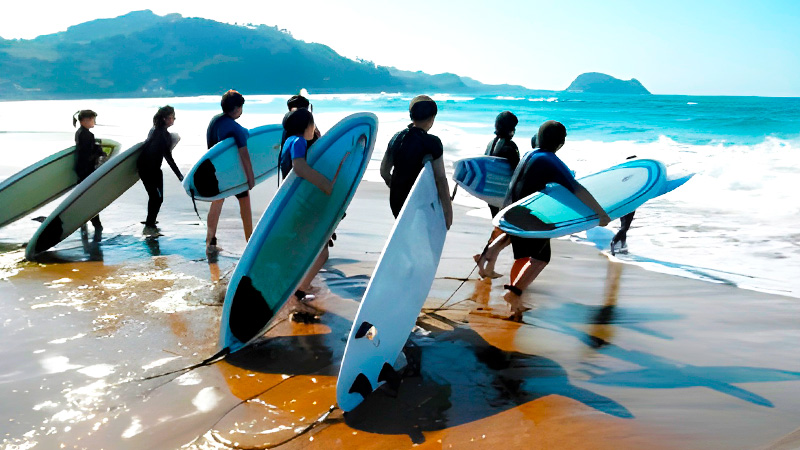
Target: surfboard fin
(363, 329)
(391, 377)
(361, 386)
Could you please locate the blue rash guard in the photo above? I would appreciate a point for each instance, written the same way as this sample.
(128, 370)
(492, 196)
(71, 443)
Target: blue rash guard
(294, 147)
(221, 127)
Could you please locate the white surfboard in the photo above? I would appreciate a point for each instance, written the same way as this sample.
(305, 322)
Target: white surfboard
(218, 174)
(395, 294)
(91, 196)
(40, 183)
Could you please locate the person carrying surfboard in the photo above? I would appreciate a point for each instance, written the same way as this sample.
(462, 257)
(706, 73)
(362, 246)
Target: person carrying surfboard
(407, 153)
(88, 154)
(505, 125)
(221, 127)
(299, 128)
(155, 150)
(539, 168)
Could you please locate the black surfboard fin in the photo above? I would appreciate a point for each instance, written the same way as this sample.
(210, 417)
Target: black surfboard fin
(363, 329)
(391, 377)
(361, 386)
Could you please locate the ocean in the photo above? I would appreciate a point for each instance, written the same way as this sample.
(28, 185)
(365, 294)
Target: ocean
(737, 221)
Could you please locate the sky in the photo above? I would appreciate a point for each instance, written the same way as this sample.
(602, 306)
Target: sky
(678, 47)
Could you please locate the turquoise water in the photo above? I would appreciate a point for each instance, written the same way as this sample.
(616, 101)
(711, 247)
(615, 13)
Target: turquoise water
(737, 221)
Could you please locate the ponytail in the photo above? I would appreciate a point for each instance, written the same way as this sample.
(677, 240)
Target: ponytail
(82, 114)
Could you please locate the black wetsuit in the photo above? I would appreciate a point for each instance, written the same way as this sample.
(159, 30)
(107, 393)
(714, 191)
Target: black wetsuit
(503, 148)
(155, 150)
(87, 155)
(409, 149)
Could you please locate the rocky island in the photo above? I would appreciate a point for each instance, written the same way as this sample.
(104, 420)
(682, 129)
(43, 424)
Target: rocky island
(600, 83)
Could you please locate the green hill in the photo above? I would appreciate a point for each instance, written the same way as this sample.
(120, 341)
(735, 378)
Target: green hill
(141, 54)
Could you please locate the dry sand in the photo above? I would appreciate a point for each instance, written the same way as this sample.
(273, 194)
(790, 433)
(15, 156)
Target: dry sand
(611, 356)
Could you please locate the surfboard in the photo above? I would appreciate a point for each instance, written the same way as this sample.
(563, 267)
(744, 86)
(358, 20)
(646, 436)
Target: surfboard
(40, 183)
(218, 174)
(91, 196)
(395, 294)
(556, 212)
(292, 231)
(484, 177)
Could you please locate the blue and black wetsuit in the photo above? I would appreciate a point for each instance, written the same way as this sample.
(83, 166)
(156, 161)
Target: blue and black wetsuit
(532, 175)
(221, 127)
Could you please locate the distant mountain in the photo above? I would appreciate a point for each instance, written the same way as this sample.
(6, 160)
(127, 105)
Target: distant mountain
(600, 83)
(141, 54)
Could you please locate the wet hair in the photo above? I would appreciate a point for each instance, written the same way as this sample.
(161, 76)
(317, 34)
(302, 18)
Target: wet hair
(298, 101)
(552, 135)
(533, 141)
(160, 119)
(82, 114)
(231, 100)
(505, 124)
(422, 108)
(296, 122)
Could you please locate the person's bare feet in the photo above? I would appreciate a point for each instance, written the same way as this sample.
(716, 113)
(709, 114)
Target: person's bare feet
(514, 300)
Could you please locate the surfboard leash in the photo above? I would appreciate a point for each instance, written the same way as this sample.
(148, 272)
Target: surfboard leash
(463, 281)
(194, 203)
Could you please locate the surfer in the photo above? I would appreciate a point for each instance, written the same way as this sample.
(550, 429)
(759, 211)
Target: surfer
(155, 150)
(503, 147)
(297, 102)
(299, 128)
(88, 155)
(221, 127)
(539, 168)
(407, 153)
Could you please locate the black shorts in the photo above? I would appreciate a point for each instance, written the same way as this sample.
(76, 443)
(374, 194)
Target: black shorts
(538, 249)
(244, 194)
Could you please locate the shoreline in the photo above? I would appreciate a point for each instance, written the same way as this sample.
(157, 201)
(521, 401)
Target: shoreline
(611, 356)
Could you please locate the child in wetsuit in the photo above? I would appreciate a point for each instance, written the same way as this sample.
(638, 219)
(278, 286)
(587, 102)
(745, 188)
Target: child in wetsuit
(501, 146)
(407, 153)
(299, 128)
(88, 154)
(537, 170)
(155, 150)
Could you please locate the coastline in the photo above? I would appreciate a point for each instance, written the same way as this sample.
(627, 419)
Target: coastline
(612, 356)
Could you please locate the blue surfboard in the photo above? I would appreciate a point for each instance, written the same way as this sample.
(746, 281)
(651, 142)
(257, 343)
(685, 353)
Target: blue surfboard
(556, 212)
(290, 234)
(484, 177)
(218, 174)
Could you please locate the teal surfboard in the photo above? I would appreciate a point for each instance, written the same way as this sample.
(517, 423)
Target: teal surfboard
(292, 231)
(395, 294)
(40, 183)
(91, 196)
(218, 174)
(556, 212)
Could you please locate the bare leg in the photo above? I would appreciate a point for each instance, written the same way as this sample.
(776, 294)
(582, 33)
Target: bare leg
(212, 222)
(322, 258)
(247, 217)
(524, 271)
(488, 258)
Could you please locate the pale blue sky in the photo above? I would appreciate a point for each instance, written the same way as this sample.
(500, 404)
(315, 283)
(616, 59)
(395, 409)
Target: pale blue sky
(675, 47)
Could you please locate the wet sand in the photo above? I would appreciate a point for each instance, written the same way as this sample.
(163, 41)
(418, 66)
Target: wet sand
(610, 356)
